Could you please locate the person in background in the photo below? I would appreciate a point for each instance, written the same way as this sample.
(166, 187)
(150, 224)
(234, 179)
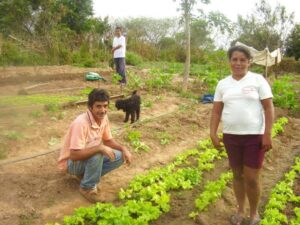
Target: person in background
(119, 52)
(243, 101)
(89, 150)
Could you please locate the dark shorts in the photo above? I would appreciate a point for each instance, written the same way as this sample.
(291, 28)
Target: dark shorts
(244, 150)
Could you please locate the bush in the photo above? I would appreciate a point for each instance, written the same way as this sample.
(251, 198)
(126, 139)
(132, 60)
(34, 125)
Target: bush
(14, 55)
(287, 65)
(83, 57)
(133, 59)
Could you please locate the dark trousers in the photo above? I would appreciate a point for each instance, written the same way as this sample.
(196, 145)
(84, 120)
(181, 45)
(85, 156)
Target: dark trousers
(120, 68)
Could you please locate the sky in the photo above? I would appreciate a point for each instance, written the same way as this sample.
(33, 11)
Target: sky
(168, 8)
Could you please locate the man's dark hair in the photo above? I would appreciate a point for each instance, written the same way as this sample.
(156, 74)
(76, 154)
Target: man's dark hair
(239, 48)
(119, 28)
(98, 95)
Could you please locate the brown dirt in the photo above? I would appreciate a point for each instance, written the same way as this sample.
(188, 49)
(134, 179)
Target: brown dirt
(286, 148)
(34, 192)
(39, 193)
(20, 75)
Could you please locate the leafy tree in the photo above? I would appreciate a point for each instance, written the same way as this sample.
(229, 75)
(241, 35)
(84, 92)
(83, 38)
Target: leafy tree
(77, 13)
(293, 43)
(265, 27)
(149, 29)
(144, 34)
(19, 16)
(200, 35)
(220, 27)
(187, 6)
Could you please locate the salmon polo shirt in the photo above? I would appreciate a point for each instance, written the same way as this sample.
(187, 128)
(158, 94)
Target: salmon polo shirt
(83, 133)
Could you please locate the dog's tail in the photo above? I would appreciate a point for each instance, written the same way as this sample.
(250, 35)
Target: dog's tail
(134, 92)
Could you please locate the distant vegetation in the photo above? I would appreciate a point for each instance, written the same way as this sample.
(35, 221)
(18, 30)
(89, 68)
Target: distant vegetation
(61, 32)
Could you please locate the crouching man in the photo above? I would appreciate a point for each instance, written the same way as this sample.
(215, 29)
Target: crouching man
(89, 150)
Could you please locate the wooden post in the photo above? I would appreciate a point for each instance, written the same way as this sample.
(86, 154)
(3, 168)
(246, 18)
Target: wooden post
(266, 65)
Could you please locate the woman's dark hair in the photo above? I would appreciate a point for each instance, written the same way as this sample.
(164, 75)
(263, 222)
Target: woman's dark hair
(98, 95)
(239, 48)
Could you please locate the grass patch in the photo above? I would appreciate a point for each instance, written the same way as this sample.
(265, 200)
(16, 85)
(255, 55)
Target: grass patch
(36, 114)
(42, 99)
(147, 104)
(86, 91)
(13, 135)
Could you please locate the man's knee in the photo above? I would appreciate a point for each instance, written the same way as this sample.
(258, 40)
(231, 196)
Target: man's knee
(118, 155)
(95, 158)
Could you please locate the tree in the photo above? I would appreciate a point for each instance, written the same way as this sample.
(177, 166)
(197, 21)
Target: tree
(220, 27)
(149, 29)
(187, 6)
(144, 35)
(200, 34)
(77, 13)
(19, 16)
(293, 43)
(265, 27)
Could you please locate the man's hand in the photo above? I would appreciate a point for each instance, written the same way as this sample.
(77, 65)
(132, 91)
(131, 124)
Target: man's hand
(266, 142)
(127, 156)
(107, 151)
(216, 141)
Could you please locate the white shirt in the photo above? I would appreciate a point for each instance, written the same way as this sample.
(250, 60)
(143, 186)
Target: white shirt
(120, 52)
(243, 112)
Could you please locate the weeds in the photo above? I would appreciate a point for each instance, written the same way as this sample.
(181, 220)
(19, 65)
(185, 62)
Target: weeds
(52, 107)
(164, 137)
(147, 104)
(13, 135)
(134, 81)
(36, 114)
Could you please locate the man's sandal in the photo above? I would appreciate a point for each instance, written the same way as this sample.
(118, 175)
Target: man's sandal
(236, 219)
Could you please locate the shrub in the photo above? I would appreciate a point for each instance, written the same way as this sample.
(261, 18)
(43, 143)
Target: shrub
(13, 55)
(287, 65)
(133, 59)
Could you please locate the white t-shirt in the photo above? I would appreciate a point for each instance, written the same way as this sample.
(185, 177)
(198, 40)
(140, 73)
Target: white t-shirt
(243, 112)
(120, 52)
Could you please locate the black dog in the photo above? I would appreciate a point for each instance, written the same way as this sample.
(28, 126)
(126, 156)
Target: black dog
(131, 106)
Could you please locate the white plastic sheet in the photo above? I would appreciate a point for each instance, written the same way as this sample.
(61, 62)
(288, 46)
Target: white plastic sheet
(264, 57)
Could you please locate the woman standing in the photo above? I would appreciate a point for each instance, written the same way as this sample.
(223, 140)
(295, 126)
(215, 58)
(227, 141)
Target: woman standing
(244, 102)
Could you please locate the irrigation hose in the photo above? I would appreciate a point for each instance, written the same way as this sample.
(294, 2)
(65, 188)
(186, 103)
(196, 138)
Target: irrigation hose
(12, 161)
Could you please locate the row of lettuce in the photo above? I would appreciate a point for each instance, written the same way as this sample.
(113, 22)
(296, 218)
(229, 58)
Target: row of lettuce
(147, 197)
